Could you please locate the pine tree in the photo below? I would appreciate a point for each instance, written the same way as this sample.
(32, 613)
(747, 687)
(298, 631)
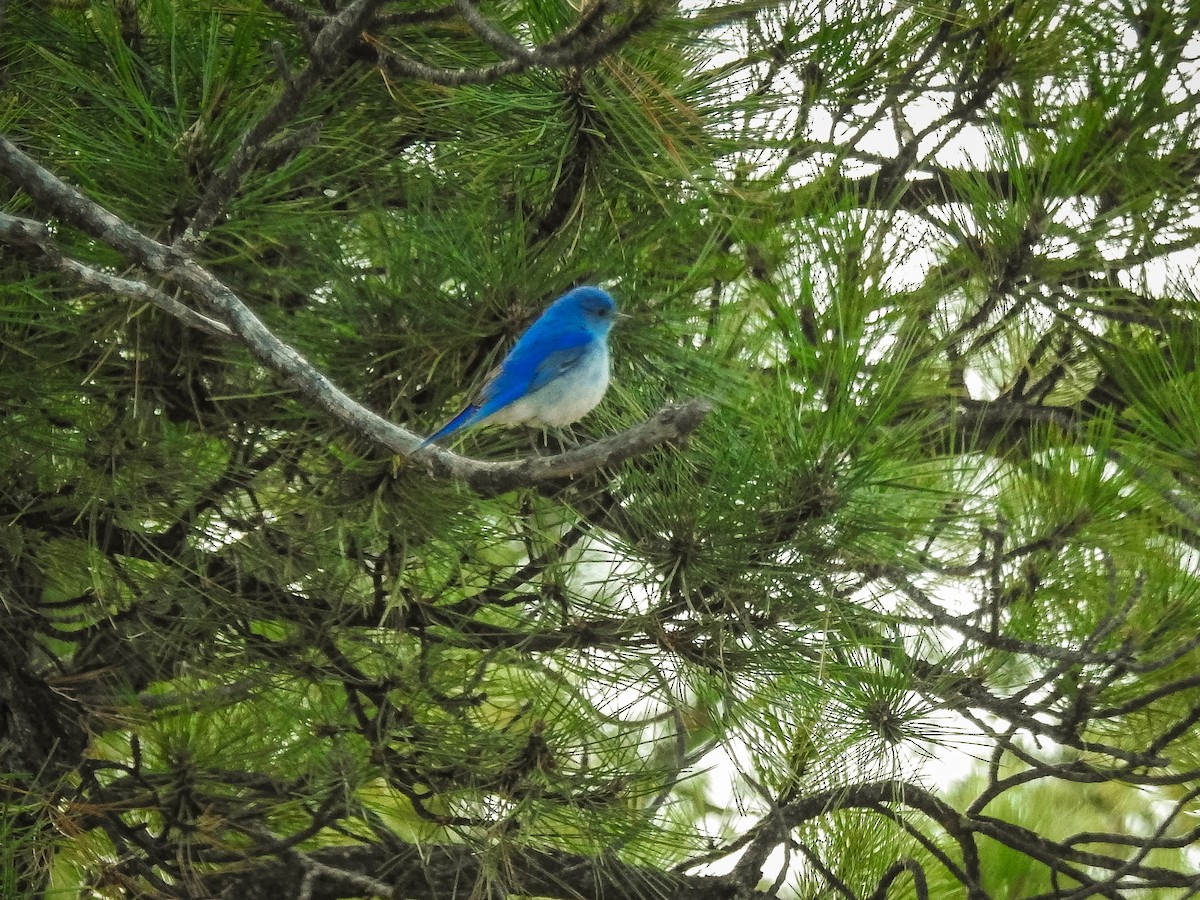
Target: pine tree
(875, 574)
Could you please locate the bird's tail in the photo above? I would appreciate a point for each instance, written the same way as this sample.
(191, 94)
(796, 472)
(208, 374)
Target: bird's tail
(463, 418)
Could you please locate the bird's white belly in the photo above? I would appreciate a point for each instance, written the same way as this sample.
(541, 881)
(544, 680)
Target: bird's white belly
(563, 400)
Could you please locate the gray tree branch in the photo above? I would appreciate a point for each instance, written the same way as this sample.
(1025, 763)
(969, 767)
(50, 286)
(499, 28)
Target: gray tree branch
(671, 424)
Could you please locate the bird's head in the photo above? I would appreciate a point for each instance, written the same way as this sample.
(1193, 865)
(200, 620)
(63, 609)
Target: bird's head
(595, 307)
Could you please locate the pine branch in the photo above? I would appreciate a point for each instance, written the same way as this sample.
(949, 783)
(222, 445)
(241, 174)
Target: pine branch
(671, 424)
(326, 54)
(425, 872)
(576, 48)
(26, 232)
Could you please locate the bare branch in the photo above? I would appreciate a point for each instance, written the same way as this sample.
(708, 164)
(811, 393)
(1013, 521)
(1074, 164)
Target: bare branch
(17, 231)
(559, 53)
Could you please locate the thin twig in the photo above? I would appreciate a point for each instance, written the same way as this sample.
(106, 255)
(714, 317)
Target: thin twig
(26, 232)
(551, 55)
(327, 49)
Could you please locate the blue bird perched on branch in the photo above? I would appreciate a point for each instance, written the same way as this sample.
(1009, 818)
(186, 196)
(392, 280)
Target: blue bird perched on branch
(555, 374)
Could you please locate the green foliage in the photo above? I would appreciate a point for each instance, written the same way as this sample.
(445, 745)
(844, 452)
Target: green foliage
(933, 265)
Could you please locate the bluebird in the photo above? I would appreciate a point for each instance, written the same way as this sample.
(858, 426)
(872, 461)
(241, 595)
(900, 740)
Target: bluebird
(555, 374)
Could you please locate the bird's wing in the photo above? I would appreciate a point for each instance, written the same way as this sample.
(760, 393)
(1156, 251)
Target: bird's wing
(533, 363)
(537, 358)
(560, 362)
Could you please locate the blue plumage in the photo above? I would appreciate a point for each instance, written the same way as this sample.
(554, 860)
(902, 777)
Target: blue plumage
(556, 372)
